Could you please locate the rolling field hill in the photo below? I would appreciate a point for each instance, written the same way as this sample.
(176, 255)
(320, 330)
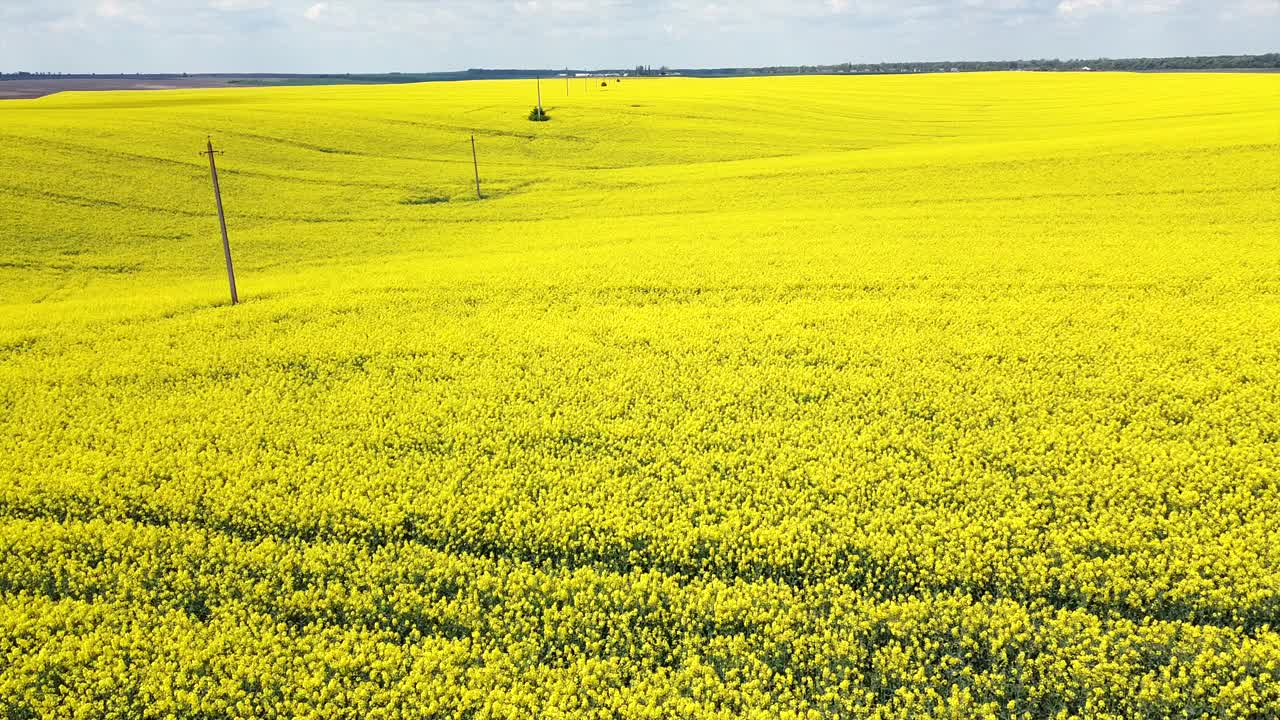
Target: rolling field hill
(865, 397)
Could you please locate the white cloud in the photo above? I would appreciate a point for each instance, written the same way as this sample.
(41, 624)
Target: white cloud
(118, 9)
(997, 4)
(1085, 8)
(316, 12)
(234, 5)
(379, 35)
(1078, 8)
(1156, 7)
(1253, 9)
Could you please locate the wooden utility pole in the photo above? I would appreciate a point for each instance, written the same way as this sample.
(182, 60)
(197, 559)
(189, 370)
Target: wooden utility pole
(476, 164)
(540, 95)
(222, 219)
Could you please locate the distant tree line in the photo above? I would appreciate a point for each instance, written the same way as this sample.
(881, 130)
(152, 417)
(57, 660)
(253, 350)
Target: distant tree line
(1270, 61)
(299, 78)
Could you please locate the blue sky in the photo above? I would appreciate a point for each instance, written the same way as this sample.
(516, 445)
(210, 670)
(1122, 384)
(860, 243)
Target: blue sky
(420, 35)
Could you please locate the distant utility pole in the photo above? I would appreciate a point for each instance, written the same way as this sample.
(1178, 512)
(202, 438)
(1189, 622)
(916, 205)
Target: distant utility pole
(476, 164)
(222, 219)
(540, 95)
(566, 82)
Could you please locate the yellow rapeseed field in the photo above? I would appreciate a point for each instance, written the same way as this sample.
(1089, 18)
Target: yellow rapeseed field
(950, 396)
